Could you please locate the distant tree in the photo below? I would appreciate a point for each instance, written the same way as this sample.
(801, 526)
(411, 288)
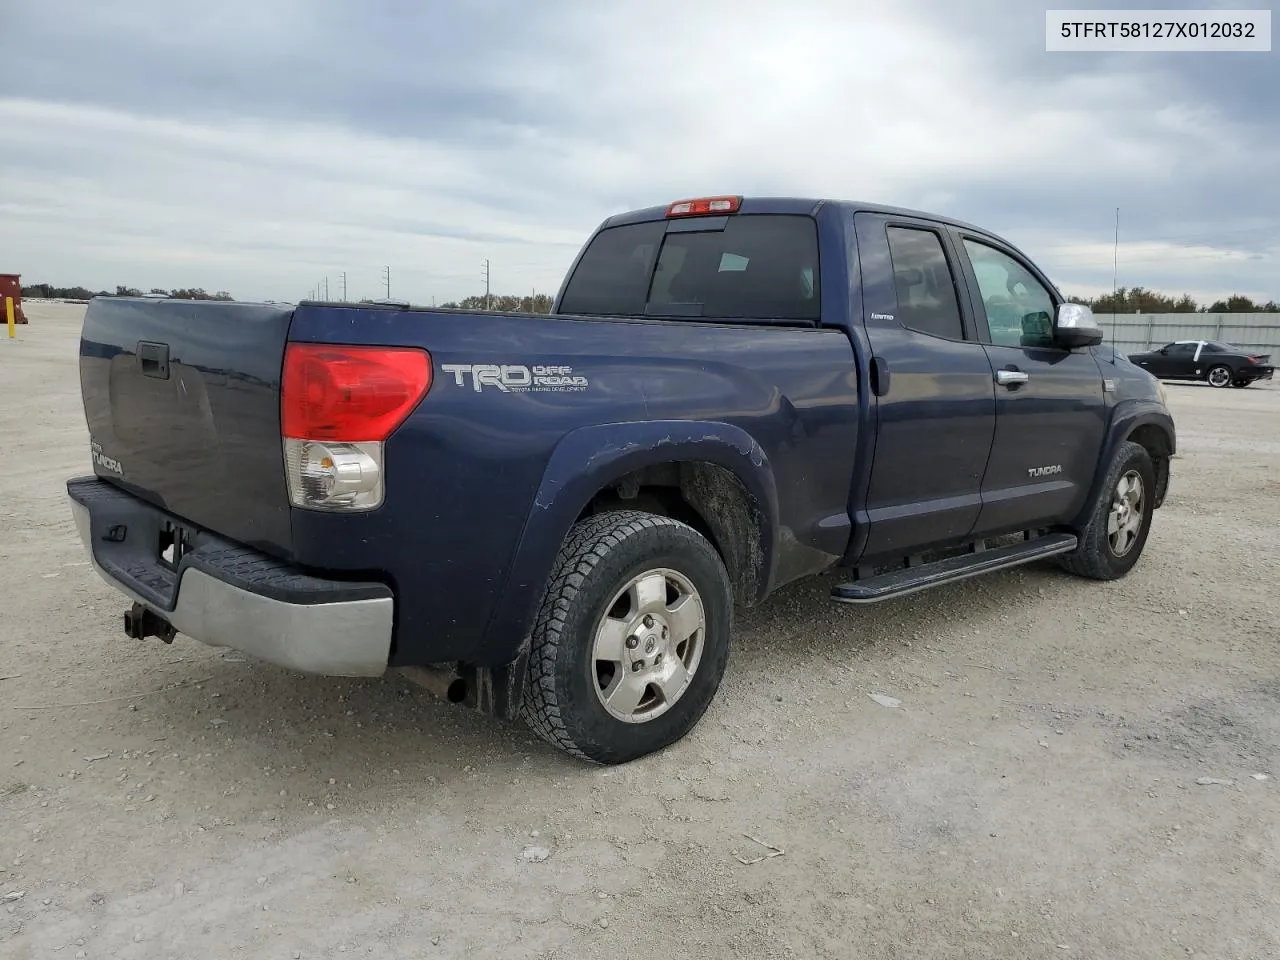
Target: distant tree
(503, 303)
(1238, 303)
(48, 291)
(1140, 300)
(199, 293)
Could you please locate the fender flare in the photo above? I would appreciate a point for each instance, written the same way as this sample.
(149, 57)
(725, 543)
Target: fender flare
(586, 461)
(1126, 417)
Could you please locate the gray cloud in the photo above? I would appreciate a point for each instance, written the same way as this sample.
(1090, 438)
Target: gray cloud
(257, 147)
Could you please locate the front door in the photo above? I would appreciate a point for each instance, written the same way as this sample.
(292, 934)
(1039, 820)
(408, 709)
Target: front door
(935, 395)
(1051, 413)
(1175, 361)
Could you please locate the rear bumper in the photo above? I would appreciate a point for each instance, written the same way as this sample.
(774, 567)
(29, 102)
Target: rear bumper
(227, 595)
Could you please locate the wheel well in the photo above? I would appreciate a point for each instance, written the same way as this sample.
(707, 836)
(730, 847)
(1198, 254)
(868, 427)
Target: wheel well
(708, 497)
(1158, 445)
(1153, 439)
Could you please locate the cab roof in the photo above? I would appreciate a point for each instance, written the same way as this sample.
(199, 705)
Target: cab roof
(807, 206)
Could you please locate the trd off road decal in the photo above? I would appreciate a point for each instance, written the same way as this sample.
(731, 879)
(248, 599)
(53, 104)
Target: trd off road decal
(516, 377)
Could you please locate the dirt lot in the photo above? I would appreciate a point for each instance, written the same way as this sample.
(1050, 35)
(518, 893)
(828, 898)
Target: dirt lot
(1035, 794)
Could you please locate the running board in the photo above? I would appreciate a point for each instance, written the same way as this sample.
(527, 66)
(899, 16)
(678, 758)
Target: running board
(898, 583)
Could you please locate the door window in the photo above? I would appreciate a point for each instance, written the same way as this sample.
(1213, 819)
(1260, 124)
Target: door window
(927, 300)
(1183, 350)
(1019, 308)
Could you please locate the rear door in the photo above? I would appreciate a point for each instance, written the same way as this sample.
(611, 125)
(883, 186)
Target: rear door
(935, 395)
(1051, 412)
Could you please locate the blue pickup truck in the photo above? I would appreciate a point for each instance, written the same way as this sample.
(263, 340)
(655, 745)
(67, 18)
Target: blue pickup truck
(553, 518)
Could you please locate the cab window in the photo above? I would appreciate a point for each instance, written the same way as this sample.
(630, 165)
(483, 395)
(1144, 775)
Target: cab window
(927, 301)
(1019, 308)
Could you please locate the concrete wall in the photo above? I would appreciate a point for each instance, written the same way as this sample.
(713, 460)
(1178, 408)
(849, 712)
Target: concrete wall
(1136, 332)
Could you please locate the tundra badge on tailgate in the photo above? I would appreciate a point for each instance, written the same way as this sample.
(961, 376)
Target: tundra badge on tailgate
(100, 459)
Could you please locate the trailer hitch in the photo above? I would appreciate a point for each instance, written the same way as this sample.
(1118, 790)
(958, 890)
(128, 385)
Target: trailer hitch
(140, 623)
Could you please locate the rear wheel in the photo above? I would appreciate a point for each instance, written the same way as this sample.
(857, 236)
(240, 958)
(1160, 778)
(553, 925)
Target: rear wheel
(1219, 376)
(1116, 533)
(631, 640)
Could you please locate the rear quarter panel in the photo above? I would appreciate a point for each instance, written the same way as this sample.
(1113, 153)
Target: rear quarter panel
(482, 484)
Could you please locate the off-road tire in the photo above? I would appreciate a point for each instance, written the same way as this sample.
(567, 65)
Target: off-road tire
(1094, 557)
(601, 554)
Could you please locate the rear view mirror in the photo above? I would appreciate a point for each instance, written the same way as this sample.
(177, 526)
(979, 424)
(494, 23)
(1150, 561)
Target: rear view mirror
(1074, 326)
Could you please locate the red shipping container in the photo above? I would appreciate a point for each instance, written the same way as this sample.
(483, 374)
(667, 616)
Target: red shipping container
(11, 286)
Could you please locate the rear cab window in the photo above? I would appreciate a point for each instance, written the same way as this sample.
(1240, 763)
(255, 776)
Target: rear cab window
(738, 267)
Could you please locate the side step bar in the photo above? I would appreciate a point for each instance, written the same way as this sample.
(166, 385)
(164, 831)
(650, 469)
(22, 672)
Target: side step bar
(898, 583)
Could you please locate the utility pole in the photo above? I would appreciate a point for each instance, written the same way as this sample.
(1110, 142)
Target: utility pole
(326, 288)
(386, 279)
(344, 286)
(485, 273)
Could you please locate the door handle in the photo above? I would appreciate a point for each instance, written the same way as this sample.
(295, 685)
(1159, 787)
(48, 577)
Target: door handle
(1011, 378)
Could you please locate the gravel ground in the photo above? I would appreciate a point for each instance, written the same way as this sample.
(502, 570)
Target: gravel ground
(1035, 794)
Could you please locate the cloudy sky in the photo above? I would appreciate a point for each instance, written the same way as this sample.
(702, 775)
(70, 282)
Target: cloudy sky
(259, 145)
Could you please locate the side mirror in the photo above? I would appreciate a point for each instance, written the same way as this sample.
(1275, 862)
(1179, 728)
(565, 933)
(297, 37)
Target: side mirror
(1074, 326)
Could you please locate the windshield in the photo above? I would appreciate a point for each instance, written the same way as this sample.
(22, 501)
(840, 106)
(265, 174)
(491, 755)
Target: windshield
(751, 267)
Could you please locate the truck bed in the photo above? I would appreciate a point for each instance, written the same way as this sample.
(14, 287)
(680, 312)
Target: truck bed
(524, 415)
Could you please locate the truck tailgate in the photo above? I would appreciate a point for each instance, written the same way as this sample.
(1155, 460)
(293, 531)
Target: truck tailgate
(182, 400)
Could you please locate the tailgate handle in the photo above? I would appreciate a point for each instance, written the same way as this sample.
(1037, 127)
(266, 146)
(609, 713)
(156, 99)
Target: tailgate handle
(154, 359)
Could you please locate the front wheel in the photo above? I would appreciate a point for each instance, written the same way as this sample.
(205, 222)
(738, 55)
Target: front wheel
(631, 640)
(1116, 532)
(1219, 376)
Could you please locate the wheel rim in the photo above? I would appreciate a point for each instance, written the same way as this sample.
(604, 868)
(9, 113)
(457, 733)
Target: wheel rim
(1219, 377)
(648, 645)
(1124, 522)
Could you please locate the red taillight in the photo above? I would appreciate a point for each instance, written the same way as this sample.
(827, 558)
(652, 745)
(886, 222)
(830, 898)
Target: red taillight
(1252, 359)
(350, 394)
(708, 206)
